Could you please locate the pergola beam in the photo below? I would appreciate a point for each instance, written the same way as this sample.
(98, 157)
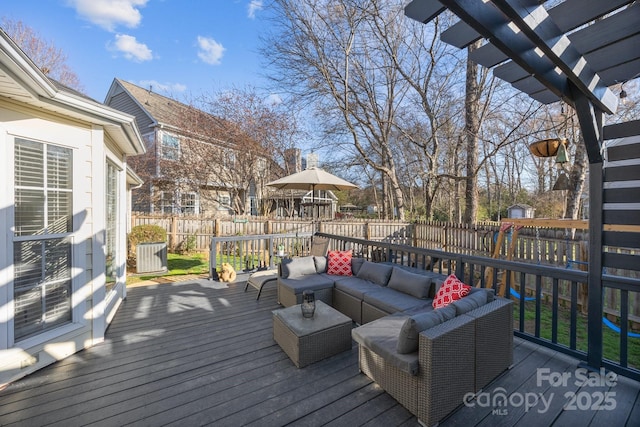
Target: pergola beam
(523, 30)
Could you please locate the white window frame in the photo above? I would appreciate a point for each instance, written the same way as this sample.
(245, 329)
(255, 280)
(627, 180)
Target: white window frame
(75, 305)
(187, 209)
(116, 237)
(170, 151)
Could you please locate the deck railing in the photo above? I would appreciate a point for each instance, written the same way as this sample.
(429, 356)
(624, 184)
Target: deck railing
(256, 252)
(550, 302)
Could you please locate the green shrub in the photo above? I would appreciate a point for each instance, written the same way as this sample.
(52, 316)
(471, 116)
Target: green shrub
(147, 234)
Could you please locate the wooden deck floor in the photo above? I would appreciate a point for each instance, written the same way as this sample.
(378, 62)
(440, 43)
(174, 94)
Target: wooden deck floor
(196, 353)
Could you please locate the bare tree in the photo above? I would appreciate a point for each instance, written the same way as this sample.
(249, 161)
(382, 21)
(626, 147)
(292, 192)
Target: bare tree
(51, 60)
(328, 55)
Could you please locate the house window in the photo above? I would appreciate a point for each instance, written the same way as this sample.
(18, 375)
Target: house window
(229, 159)
(224, 201)
(167, 202)
(170, 147)
(189, 203)
(111, 230)
(42, 239)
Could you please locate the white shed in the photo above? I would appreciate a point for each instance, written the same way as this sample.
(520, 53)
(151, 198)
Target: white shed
(520, 210)
(63, 214)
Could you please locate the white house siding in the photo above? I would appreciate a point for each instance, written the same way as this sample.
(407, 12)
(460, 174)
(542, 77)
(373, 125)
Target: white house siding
(88, 292)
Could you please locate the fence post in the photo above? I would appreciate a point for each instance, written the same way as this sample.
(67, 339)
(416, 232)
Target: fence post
(174, 232)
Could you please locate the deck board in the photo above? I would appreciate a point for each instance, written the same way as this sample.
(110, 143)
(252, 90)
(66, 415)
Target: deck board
(198, 352)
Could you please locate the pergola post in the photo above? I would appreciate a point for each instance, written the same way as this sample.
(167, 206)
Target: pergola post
(590, 119)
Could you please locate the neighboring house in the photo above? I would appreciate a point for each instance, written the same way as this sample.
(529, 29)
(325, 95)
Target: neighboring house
(196, 163)
(63, 215)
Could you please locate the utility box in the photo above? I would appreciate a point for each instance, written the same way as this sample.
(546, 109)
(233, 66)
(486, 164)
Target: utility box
(151, 257)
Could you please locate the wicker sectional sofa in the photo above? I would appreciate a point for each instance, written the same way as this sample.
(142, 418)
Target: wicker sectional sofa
(428, 360)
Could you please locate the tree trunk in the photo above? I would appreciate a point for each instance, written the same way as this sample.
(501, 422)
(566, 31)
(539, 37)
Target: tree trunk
(472, 125)
(577, 176)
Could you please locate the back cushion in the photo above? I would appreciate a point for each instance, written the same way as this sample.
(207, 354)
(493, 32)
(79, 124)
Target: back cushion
(413, 284)
(356, 264)
(296, 267)
(321, 263)
(408, 338)
(375, 272)
(471, 301)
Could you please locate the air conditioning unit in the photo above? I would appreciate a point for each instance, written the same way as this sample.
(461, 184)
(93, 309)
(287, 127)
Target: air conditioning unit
(151, 257)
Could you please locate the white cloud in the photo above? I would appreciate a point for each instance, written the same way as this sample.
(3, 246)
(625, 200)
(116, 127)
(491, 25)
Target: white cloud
(254, 6)
(166, 88)
(132, 49)
(210, 50)
(110, 13)
(274, 99)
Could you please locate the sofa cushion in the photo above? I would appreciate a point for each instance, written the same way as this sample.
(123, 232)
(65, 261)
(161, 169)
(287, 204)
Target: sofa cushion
(417, 285)
(476, 298)
(411, 328)
(451, 290)
(298, 266)
(356, 263)
(339, 263)
(381, 337)
(391, 301)
(320, 263)
(375, 272)
(354, 286)
(311, 282)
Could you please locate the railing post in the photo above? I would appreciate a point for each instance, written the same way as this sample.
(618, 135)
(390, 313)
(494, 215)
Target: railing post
(213, 263)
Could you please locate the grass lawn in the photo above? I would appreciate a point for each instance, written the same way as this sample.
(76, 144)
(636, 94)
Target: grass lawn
(610, 338)
(177, 265)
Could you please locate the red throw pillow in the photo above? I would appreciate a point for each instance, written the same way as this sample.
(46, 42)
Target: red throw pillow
(339, 263)
(451, 290)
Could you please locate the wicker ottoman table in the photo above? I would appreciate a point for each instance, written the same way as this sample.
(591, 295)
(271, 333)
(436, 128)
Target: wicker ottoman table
(306, 341)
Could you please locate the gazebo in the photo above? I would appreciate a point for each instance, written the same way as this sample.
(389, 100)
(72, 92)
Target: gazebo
(572, 51)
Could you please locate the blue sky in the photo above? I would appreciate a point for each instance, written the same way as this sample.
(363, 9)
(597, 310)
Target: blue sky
(181, 47)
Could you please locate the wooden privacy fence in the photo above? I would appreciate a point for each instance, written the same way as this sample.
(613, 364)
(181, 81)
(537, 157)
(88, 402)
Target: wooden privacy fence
(540, 245)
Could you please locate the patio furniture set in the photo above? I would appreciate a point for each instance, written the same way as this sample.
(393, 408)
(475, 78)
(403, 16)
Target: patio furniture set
(429, 359)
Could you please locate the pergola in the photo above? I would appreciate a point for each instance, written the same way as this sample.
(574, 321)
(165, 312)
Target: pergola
(571, 51)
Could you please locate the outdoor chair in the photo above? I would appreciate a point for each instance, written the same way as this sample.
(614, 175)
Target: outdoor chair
(319, 246)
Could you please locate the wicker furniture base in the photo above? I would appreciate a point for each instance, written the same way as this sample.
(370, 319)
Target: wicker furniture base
(287, 297)
(371, 313)
(306, 341)
(347, 304)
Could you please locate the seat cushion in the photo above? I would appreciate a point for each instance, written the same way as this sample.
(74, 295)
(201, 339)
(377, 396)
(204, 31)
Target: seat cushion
(311, 282)
(375, 272)
(413, 325)
(381, 337)
(298, 266)
(354, 286)
(391, 301)
(413, 284)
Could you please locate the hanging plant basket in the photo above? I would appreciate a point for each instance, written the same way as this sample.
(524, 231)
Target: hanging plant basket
(546, 147)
